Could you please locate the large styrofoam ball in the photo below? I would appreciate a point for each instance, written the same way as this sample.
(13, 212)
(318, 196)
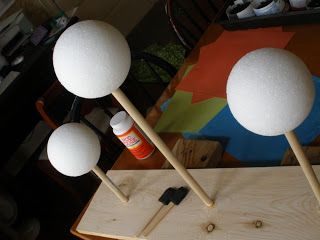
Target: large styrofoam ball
(91, 59)
(73, 149)
(270, 91)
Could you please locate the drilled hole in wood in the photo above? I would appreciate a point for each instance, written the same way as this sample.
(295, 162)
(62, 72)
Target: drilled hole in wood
(258, 224)
(210, 227)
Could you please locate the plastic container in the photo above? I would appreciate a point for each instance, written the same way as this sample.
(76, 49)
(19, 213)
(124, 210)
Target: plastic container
(247, 12)
(244, 13)
(273, 7)
(283, 18)
(297, 4)
(131, 136)
(313, 4)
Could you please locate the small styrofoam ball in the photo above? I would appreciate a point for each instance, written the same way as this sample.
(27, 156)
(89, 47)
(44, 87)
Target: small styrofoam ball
(73, 149)
(270, 91)
(91, 59)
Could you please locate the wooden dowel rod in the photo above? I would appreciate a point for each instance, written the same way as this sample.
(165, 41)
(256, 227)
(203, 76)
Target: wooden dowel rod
(304, 163)
(107, 181)
(150, 220)
(163, 148)
(157, 219)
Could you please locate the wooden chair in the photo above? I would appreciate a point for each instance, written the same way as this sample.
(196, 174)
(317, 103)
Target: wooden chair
(142, 94)
(190, 18)
(52, 112)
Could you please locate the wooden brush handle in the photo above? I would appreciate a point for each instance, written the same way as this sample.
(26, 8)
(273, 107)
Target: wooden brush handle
(156, 219)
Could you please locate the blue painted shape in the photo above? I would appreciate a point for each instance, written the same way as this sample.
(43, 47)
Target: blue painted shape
(252, 149)
(165, 105)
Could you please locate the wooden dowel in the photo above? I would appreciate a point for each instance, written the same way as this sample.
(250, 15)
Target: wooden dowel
(304, 163)
(158, 217)
(150, 220)
(163, 148)
(107, 181)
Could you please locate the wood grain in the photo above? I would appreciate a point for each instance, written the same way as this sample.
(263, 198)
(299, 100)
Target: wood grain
(196, 153)
(157, 219)
(313, 154)
(278, 198)
(108, 182)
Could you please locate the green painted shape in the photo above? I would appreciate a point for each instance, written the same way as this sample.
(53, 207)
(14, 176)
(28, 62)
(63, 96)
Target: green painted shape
(184, 116)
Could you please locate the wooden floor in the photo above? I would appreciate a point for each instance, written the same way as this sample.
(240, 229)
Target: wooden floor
(251, 203)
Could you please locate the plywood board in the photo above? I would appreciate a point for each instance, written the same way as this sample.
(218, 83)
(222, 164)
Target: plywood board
(251, 204)
(196, 153)
(312, 152)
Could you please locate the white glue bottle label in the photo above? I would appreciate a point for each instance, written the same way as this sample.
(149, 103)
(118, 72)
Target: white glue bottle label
(131, 136)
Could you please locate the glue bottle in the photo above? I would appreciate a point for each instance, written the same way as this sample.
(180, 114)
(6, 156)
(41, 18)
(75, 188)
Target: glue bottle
(131, 136)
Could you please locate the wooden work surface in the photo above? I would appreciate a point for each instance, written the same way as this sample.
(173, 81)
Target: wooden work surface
(304, 44)
(278, 198)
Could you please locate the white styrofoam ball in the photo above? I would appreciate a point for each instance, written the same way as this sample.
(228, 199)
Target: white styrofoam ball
(91, 59)
(73, 149)
(270, 91)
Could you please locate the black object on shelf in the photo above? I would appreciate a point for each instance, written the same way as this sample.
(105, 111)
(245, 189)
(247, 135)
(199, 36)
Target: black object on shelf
(239, 8)
(314, 4)
(285, 18)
